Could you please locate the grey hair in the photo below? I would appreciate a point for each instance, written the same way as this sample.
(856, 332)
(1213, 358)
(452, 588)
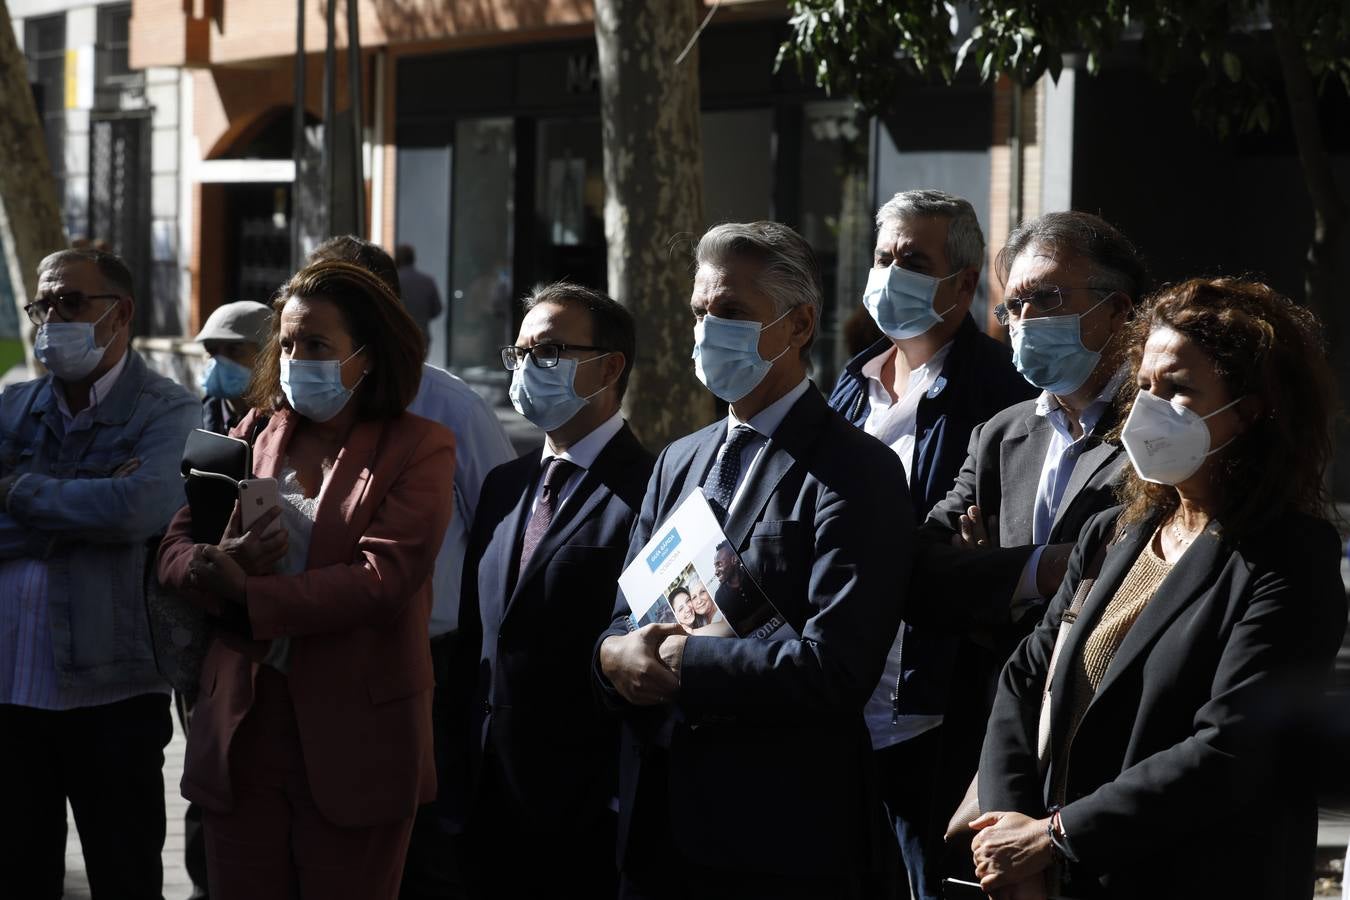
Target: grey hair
(965, 239)
(790, 275)
(1116, 264)
(116, 275)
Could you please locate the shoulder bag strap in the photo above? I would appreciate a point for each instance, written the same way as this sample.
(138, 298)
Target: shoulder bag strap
(1066, 624)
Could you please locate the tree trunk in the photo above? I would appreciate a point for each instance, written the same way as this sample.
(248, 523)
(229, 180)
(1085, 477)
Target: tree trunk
(30, 217)
(1328, 262)
(653, 202)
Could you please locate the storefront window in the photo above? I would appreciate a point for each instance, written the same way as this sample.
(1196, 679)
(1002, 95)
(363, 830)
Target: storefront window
(570, 202)
(481, 299)
(737, 165)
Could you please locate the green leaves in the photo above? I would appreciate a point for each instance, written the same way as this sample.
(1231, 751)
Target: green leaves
(866, 48)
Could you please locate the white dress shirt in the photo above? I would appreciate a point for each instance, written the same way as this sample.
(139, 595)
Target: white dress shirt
(480, 446)
(582, 454)
(894, 422)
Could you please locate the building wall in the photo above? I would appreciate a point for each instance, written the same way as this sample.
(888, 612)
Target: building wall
(1194, 204)
(159, 93)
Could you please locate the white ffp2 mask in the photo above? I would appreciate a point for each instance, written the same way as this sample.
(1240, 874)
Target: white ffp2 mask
(1166, 442)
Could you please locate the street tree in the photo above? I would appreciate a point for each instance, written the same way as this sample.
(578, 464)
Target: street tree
(30, 217)
(649, 112)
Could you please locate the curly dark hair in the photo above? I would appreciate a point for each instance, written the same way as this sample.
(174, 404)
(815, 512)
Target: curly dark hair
(1263, 345)
(376, 320)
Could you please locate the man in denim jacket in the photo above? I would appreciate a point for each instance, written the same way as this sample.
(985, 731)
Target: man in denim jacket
(89, 460)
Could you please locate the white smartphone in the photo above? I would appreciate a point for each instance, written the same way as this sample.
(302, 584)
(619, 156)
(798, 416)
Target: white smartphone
(257, 496)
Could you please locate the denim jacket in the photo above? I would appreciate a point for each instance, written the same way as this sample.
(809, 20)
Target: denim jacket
(91, 529)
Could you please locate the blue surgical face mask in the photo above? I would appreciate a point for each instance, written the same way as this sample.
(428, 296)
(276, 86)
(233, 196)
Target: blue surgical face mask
(548, 397)
(1049, 351)
(314, 387)
(69, 349)
(901, 301)
(726, 355)
(224, 378)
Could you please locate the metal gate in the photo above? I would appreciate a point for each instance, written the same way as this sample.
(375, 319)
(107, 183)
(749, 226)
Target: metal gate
(119, 202)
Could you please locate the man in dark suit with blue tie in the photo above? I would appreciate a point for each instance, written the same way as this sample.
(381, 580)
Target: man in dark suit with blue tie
(746, 768)
(545, 551)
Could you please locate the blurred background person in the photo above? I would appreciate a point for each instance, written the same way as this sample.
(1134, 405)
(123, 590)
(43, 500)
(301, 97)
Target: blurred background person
(1177, 718)
(418, 290)
(231, 337)
(311, 742)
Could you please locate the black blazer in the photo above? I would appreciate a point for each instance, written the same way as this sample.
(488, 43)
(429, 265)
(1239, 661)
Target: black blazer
(1000, 475)
(1187, 776)
(532, 704)
(768, 748)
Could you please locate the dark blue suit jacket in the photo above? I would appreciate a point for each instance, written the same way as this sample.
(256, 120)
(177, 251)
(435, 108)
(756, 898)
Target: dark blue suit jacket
(532, 705)
(977, 380)
(769, 767)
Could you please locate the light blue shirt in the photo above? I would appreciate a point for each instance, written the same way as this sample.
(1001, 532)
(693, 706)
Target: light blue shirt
(1057, 469)
(1063, 452)
(480, 446)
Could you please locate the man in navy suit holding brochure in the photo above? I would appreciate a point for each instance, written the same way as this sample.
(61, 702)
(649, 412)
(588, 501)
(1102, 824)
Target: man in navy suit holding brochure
(746, 768)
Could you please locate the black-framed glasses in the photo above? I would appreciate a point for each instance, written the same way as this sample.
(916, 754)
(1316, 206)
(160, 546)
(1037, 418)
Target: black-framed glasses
(68, 306)
(545, 355)
(1046, 298)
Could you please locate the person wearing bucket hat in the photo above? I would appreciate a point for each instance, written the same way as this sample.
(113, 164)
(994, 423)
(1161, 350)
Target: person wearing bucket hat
(232, 335)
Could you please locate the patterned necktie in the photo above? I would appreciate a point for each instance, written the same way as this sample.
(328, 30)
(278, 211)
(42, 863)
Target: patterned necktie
(720, 485)
(555, 476)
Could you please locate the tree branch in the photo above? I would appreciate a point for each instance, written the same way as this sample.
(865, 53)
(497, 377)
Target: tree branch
(1312, 151)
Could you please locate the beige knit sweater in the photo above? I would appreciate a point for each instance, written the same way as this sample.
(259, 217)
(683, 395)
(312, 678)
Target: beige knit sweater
(1087, 668)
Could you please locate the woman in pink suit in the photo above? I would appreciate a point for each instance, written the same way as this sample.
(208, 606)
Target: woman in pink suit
(310, 748)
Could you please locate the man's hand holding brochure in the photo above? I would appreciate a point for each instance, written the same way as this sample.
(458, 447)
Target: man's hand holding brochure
(688, 580)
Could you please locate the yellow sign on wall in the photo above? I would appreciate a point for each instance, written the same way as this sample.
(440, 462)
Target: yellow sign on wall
(72, 78)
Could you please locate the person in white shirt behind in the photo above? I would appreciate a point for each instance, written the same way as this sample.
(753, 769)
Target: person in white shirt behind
(481, 444)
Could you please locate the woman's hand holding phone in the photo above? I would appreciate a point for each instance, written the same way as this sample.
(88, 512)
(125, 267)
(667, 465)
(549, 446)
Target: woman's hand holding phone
(261, 547)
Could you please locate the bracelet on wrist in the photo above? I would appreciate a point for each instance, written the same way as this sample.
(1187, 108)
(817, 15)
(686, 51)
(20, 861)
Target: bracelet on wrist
(1059, 842)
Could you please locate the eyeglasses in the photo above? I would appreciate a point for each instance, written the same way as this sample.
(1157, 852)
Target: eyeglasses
(545, 355)
(68, 305)
(1046, 298)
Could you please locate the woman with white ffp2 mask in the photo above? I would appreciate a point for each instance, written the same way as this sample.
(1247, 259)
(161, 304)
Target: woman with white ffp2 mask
(1206, 613)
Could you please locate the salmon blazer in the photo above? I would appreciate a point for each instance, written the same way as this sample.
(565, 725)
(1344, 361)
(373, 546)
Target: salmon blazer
(360, 667)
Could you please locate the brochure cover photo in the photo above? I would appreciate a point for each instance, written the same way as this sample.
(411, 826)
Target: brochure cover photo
(691, 574)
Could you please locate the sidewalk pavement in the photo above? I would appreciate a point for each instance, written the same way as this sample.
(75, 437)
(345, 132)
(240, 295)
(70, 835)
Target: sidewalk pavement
(177, 885)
